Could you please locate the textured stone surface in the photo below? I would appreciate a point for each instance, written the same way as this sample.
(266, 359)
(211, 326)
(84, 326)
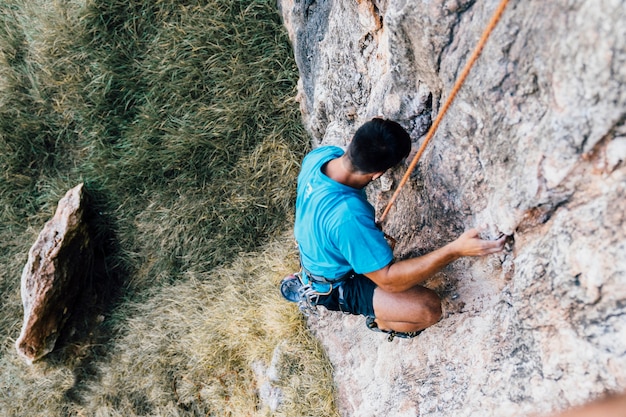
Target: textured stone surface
(534, 147)
(58, 266)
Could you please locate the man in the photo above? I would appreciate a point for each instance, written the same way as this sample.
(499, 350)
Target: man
(347, 265)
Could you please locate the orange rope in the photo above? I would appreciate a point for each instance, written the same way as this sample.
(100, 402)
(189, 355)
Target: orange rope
(457, 86)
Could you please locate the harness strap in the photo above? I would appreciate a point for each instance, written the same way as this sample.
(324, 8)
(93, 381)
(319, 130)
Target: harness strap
(318, 279)
(310, 296)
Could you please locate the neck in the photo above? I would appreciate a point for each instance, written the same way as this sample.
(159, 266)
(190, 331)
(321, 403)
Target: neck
(339, 169)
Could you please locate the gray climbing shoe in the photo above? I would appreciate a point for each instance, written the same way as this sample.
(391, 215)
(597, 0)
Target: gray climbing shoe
(291, 288)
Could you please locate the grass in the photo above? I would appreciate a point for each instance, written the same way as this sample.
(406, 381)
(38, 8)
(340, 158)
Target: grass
(180, 119)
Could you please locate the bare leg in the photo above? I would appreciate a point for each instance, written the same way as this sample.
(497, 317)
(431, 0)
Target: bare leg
(408, 311)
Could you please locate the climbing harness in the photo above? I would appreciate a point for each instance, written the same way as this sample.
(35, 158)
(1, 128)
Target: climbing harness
(455, 89)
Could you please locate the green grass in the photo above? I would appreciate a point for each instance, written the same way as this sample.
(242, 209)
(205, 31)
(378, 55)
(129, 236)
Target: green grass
(180, 118)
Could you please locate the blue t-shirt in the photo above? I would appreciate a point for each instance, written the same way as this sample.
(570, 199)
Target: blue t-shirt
(335, 225)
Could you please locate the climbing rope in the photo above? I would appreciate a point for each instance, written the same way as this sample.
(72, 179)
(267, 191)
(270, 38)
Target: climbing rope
(455, 89)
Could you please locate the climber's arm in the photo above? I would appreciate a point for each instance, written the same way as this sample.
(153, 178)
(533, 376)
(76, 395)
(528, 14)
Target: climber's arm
(402, 275)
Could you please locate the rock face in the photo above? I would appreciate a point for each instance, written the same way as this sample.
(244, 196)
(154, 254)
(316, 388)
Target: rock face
(534, 146)
(58, 265)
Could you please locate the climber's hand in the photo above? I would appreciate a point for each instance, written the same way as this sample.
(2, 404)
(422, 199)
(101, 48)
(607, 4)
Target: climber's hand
(470, 244)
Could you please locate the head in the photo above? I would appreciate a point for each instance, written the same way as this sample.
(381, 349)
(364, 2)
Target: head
(377, 146)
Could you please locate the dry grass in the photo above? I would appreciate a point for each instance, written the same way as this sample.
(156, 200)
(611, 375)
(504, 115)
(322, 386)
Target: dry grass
(214, 343)
(179, 116)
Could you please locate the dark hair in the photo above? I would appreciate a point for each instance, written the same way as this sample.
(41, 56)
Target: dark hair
(378, 145)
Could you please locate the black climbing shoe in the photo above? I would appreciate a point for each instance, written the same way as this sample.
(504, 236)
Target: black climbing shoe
(372, 325)
(291, 288)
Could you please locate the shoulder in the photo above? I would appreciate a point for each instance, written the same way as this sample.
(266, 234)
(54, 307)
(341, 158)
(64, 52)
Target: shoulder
(324, 153)
(315, 159)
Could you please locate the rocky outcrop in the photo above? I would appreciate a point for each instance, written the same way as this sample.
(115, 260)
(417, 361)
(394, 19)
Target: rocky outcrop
(533, 146)
(58, 266)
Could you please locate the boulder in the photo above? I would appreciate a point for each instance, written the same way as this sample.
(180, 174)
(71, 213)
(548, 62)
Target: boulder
(59, 264)
(533, 146)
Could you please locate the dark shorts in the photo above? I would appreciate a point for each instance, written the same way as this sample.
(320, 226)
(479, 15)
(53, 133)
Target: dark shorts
(358, 297)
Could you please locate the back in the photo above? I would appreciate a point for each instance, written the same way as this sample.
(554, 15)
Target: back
(335, 225)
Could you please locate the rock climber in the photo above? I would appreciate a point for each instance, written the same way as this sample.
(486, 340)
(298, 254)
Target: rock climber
(347, 264)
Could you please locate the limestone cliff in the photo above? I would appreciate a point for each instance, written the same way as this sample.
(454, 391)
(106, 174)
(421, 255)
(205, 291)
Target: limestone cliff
(534, 146)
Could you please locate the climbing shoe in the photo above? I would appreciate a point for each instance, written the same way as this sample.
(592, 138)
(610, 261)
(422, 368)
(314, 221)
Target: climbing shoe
(291, 288)
(372, 325)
